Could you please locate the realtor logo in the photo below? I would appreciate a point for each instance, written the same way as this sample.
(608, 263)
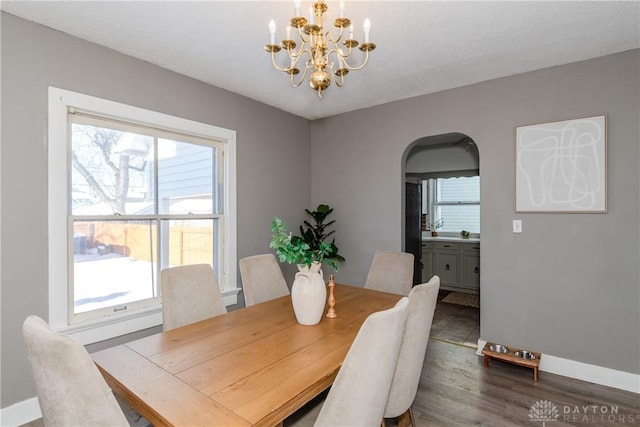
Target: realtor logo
(543, 411)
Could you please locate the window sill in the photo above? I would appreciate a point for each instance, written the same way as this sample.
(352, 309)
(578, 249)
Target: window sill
(97, 330)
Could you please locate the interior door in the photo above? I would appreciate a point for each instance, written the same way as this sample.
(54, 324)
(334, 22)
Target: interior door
(413, 233)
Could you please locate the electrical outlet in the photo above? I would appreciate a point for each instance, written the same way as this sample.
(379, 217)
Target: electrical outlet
(517, 226)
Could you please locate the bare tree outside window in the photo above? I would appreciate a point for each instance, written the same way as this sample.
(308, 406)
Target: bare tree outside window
(109, 167)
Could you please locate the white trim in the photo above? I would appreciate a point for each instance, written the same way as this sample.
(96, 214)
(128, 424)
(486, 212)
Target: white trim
(621, 380)
(590, 373)
(20, 413)
(481, 344)
(95, 330)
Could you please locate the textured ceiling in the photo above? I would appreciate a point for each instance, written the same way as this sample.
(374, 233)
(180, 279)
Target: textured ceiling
(422, 46)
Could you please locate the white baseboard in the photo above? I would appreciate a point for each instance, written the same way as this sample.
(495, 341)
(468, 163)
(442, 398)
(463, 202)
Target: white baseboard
(20, 413)
(591, 373)
(626, 381)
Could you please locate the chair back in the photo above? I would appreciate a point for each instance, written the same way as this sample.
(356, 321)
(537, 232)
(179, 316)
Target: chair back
(262, 279)
(391, 272)
(359, 393)
(70, 389)
(190, 293)
(422, 304)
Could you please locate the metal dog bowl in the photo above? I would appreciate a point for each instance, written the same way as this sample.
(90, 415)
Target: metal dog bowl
(498, 348)
(524, 354)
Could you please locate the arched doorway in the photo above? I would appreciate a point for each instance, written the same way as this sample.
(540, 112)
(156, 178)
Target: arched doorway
(443, 173)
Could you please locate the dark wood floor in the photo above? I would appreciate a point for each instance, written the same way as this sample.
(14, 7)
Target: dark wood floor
(456, 390)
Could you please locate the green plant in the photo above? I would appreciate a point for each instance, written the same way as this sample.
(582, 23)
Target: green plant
(435, 225)
(311, 245)
(317, 234)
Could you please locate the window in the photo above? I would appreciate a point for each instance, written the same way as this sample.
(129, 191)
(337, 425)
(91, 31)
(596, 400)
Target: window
(132, 192)
(453, 203)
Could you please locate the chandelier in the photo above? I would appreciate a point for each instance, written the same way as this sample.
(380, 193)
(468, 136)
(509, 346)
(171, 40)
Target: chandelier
(319, 51)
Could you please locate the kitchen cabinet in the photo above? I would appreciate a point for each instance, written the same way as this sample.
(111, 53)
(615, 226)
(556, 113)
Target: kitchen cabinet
(457, 263)
(471, 267)
(427, 261)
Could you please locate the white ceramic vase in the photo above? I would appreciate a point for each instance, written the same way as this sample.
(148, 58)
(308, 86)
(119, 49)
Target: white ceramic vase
(309, 294)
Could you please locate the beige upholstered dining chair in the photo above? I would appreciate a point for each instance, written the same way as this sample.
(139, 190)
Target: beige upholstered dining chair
(70, 389)
(190, 293)
(359, 393)
(391, 272)
(422, 304)
(262, 279)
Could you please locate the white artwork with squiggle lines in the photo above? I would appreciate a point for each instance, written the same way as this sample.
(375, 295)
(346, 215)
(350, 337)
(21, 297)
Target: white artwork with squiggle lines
(561, 166)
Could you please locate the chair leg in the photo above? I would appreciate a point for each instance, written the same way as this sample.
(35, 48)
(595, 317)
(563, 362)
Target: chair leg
(406, 419)
(413, 420)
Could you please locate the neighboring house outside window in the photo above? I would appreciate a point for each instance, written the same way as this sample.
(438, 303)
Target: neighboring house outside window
(142, 191)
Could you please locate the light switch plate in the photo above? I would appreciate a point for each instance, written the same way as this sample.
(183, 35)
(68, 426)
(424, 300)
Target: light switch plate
(517, 226)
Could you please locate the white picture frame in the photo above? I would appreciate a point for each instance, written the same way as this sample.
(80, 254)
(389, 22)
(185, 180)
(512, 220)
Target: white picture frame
(562, 166)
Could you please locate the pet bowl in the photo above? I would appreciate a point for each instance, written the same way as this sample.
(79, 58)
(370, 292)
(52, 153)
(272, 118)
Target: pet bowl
(524, 354)
(498, 348)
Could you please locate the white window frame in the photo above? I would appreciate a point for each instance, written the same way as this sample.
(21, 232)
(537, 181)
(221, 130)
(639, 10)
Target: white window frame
(94, 330)
(432, 203)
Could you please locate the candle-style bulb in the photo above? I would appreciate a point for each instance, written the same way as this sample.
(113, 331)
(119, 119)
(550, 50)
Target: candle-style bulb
(341, 9)
(272, 31)
(367, 29)
(296, 4)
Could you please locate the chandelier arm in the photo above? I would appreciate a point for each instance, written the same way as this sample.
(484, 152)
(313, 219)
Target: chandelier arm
(292, 80)
(329, 36)
(348, 53)
(277, 67)
(301, 35)
(359, 67)
(297, 55)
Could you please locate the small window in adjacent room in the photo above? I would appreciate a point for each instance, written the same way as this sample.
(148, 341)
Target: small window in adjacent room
(143, 192)
(453, 204)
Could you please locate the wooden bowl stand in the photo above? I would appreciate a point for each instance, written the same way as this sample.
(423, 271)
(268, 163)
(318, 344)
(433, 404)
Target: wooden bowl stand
(510, 357)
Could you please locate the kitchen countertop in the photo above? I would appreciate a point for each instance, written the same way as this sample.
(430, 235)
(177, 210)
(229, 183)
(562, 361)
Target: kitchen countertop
(426, 238)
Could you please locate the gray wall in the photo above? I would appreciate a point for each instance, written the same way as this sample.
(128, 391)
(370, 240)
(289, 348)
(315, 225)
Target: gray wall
(569, 284)
(423, 159)
(272, 159)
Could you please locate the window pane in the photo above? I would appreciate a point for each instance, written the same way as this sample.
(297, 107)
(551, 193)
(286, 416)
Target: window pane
(111, 173)
(457, 204)
(464, 189)
(186, 175)
(190, 241)
(460, 217)
(113, 263)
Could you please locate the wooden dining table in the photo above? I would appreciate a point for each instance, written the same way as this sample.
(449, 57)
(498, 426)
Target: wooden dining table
(251, 367)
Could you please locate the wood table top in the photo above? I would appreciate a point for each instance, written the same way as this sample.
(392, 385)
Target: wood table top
(251, 367)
